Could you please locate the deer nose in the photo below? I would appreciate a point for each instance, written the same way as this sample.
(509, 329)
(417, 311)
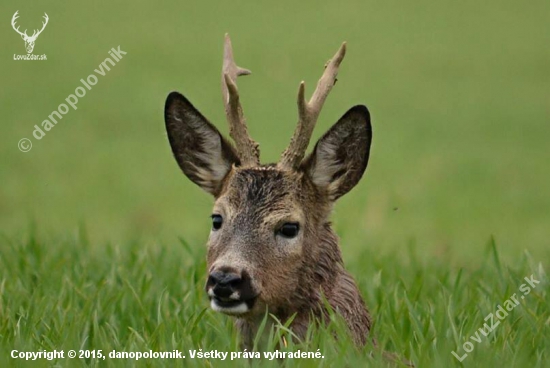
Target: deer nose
(224, 283)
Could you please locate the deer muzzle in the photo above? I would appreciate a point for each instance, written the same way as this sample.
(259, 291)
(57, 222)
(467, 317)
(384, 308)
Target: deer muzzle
(230, 291)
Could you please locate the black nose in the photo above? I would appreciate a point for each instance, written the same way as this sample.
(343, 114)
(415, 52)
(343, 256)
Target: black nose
(224, 283)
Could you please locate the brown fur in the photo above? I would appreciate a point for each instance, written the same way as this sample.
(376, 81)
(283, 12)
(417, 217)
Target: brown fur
(289, 276)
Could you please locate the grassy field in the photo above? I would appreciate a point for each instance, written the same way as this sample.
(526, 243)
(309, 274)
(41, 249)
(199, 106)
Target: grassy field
(102, 238)
(138, 297)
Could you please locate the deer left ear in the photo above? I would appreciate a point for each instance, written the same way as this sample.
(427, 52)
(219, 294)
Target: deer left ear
(201, 151)
(341, 155)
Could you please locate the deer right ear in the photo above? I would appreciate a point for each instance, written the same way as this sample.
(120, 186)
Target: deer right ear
(201, 151)
(340, 157)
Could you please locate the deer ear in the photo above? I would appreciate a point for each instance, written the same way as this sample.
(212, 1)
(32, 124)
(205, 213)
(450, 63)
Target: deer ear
(201, 151)
(341, 155)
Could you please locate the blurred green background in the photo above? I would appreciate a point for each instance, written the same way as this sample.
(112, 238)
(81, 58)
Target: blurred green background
(458, 93)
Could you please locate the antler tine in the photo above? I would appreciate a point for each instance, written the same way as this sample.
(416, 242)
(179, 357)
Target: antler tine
(308, 112)
(46, 18)
(13, 19)
(248, 149)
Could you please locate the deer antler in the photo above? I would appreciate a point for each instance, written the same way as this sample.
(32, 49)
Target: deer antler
(308, 112)
(15, 16)
(36, 32)
(248, 149)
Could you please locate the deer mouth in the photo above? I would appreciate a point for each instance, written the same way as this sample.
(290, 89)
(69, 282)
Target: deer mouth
(231, 292)
(232, 306)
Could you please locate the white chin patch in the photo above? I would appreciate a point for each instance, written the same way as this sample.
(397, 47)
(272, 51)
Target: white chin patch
(240, 308)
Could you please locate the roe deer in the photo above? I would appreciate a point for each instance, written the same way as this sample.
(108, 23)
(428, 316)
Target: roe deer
(271, 246)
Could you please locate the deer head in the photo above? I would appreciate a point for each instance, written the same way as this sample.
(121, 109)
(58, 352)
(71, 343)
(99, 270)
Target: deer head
(271, 245)
(29, 40)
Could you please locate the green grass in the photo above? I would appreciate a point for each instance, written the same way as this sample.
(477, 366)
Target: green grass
(91, 218)
(138, 297)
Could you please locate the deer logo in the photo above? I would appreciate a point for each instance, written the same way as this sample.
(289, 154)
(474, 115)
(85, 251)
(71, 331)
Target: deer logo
(271, 246)
(29, 40)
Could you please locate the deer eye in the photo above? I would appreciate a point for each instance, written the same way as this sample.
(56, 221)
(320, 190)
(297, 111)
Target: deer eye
(289, 230)
(217, 222)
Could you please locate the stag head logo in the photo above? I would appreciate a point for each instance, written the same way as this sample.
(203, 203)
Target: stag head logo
(29, 40)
